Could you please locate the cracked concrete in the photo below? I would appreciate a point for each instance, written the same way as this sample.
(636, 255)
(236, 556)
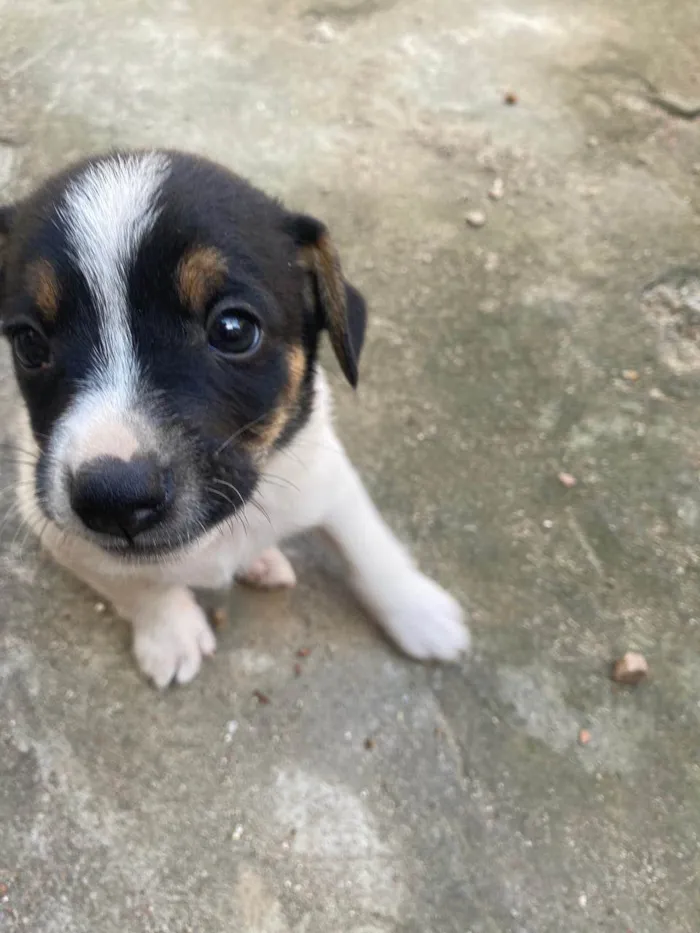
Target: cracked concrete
(561, 335)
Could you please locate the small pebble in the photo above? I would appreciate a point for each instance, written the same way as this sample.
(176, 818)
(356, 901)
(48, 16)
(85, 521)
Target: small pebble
(369, 744)
(547, 524)
(262, 698)
(475, 218)
(497, 189)
(656, 394)
(584, 737)
(510, 98)
(217, 618)
(630, 669)
(630, 375)
(237, 833)
(567, 480)
(303, 652)
(100, 607)
(582, 901)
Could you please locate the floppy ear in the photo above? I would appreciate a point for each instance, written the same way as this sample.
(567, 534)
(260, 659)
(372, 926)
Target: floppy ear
(338, 306)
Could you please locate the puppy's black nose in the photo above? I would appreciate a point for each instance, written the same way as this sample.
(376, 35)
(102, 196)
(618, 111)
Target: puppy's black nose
(121, 497)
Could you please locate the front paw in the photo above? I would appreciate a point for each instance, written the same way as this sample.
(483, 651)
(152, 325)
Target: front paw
(424, 620)
(271, 570)
(171, 640)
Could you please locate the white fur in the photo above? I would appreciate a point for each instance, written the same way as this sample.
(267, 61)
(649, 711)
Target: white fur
(313, 484)
(107, 210)
(171, 635)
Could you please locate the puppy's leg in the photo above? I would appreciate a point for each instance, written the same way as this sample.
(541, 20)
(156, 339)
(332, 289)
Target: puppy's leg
(424, 620)
(171, 634)
(270, 570)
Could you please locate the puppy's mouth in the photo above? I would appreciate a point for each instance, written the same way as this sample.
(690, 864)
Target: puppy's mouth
(139, 509)
(175, 536)
(145, 551)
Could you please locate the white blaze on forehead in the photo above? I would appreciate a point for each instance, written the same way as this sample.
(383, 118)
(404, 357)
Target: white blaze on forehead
(107, 211)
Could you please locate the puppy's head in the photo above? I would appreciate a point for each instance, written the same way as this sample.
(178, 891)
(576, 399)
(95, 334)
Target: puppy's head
(164, 318)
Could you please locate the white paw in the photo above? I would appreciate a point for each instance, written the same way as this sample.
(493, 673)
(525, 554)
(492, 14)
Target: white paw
(171, 640)
(424, 620)
(270, 571)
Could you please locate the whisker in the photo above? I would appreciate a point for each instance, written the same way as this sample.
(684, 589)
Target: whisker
(231, 486)
(12, 488)
(47, 522)
(262, 511)
(12, 512)
(237, 514)
(14, 446)
(25, 526)
(236, 434)
(221, 495)
(281, 481)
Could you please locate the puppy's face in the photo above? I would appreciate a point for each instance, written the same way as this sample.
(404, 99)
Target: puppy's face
(164, 319)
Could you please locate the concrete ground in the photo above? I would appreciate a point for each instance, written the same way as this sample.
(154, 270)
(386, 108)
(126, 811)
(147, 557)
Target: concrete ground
(371, 795)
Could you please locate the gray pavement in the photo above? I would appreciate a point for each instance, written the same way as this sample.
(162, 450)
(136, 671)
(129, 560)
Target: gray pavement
(560, 335)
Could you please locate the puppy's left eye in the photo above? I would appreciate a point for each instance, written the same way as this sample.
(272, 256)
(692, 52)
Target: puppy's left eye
(234, 329)
(31, 349)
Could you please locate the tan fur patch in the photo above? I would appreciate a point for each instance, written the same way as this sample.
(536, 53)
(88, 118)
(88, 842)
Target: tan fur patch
(296, 366)
(323, 260)
(268, 433)
(199, 274)
(43, 286)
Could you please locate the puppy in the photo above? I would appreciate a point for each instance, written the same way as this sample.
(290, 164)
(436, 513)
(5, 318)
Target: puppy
(164, 318)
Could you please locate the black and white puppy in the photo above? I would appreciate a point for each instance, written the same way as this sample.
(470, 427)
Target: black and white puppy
(164, 318)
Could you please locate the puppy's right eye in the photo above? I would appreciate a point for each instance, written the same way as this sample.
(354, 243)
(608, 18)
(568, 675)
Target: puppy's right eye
(31, 349)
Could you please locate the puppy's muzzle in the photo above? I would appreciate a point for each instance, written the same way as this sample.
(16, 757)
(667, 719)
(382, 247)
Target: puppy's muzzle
(122, 498)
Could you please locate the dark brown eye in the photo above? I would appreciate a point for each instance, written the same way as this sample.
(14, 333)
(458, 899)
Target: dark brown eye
(234, 329)
(31, 348)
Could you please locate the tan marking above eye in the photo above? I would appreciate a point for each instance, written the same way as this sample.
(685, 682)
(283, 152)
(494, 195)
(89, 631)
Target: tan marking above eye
(200, 273)
(44, 287)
